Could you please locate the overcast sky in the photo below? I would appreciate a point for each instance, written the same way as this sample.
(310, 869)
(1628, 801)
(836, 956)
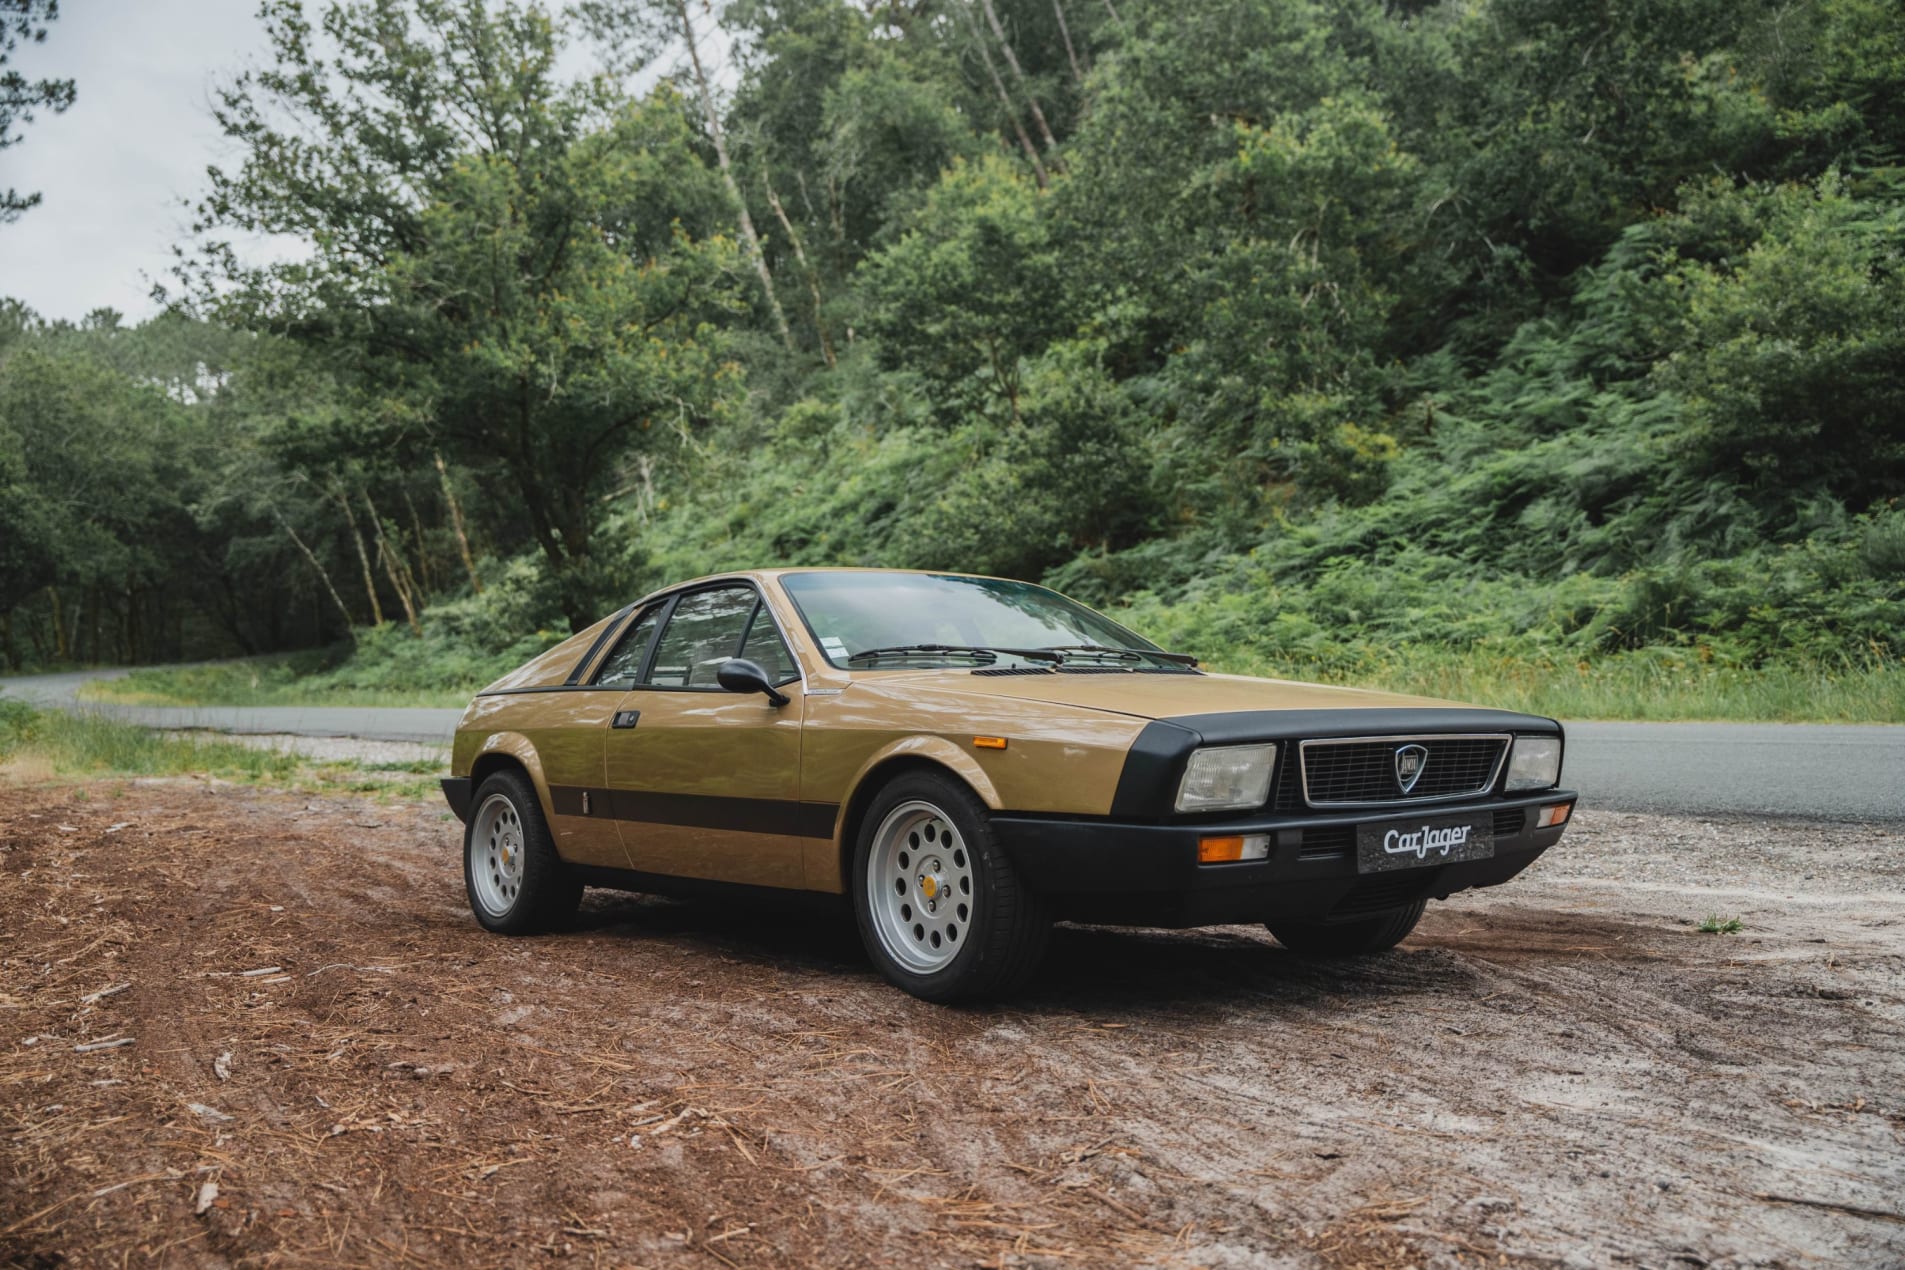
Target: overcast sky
(115, 168)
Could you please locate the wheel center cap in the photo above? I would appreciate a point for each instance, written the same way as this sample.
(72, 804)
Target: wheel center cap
(929, 887)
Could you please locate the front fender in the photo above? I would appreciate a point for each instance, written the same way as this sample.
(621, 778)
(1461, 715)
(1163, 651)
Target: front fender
(934, 749)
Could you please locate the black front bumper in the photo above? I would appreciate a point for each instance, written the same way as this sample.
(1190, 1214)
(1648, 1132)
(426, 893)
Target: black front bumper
(1149, 874)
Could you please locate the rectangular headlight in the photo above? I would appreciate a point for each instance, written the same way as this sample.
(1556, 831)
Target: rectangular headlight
(1535, 762)
(1227, 778)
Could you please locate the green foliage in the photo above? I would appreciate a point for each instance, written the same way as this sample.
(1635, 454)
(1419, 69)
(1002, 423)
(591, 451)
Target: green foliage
(521, 271)
(35, 745)
(1793, 341)
(24, 21)
(965, 296)
(78, 743)
(1500, 349)
(1715, 924)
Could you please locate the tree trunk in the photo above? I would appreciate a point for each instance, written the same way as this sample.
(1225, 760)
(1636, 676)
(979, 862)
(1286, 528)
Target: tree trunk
(807, 270)
(6, 640)
(456, 522)
(59, 627)
(363, 556)
(719, 138)
(393, 567)
(1018, 74)
(423, 549)
(317, 567)
(1005, 99)
(126, 620)
(1114, 13)
(1065, 34)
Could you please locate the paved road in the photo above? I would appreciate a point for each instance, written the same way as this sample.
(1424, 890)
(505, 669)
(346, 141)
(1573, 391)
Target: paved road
(1818, 771)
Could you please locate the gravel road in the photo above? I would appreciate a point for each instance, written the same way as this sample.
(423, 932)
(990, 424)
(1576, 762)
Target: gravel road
(241, 1027)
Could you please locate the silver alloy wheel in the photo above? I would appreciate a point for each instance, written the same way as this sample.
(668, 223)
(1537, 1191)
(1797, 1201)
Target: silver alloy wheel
(919, 884)
(496, 855)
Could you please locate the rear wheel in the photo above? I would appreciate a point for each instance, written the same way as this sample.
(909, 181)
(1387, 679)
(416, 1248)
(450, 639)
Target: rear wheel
(941, 911)
(517, 883)
(1350, 939)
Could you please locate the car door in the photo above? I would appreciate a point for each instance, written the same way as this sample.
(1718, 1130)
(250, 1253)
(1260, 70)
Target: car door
(706, 782)
(569, 725)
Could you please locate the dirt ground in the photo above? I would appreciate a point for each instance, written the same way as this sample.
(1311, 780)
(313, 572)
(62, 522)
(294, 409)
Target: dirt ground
(248, 1028)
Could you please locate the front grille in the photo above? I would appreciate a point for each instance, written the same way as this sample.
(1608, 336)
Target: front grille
(1509, 820)
(1288, 794)
(1361, 772)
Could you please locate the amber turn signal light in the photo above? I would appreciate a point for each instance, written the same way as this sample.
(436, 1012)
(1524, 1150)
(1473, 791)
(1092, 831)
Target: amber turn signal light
(1249, 846)
(989, 742)
(1549, 817)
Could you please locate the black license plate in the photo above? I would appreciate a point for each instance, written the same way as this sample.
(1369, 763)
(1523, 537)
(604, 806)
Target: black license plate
(1417, 844)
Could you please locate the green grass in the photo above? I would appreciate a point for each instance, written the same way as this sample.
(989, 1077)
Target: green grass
(1649, 685)
(53, 744)
(297, 680)
(1714, 924)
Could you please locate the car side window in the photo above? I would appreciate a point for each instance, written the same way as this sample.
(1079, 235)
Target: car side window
(765, 646)
(621, 667)
(704, 631)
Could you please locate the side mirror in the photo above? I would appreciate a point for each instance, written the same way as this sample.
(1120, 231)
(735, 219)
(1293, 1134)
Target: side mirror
(738, 674)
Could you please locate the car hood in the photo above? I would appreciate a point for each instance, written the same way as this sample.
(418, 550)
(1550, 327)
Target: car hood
(1158, 696)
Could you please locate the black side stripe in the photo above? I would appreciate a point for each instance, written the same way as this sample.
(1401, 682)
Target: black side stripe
(699, 811)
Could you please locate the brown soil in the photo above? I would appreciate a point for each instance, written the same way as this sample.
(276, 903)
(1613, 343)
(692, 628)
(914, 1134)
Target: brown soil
(334, 1061)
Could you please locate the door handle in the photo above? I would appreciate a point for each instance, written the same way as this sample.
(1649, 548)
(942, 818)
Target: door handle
(625, 718)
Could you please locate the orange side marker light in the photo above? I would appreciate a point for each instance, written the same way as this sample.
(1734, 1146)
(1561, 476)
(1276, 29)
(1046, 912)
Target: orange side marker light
(989, 742)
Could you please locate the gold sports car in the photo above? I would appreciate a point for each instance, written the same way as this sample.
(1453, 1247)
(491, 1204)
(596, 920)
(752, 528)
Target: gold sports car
(969, 759)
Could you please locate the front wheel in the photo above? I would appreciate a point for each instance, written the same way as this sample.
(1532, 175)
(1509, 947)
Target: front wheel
(1350, 939)
(942, 912)
(518, 885)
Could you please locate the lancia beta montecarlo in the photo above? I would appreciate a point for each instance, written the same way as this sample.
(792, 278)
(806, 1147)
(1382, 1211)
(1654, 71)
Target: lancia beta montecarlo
(969, 759)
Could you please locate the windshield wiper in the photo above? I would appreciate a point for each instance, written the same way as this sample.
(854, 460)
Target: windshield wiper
(1124, 654)
(976, 652)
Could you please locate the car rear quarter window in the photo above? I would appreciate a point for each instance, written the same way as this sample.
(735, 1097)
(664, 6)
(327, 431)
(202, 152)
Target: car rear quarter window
(704, 631)
(622, 666)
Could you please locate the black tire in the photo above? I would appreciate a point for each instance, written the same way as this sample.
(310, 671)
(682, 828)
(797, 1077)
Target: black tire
(1005, 936)
(546, 893)
(1350, 939)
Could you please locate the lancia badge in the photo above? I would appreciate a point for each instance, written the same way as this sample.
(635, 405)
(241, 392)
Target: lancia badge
(1410, 760)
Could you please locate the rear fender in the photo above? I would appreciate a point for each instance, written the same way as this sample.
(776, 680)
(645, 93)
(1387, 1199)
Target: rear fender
(511, 745)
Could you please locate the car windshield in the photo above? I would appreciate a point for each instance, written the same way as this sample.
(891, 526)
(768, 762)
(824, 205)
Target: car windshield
(888, 621)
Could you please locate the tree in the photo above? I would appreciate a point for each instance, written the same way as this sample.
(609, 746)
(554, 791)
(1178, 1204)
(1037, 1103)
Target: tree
(643, 30)
(1792, 342)
(24, 21)
(527, 273)
(970, 289)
